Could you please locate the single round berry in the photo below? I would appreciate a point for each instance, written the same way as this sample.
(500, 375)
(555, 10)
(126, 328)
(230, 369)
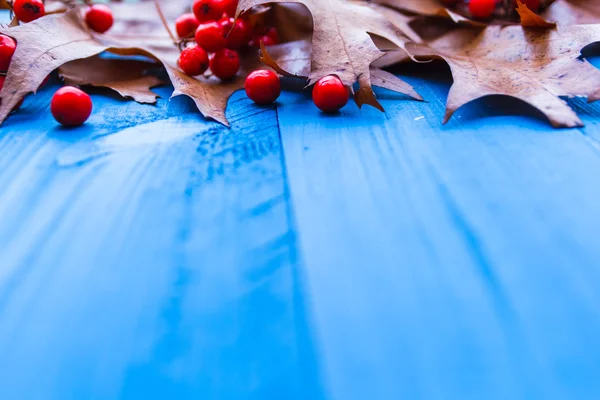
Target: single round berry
(274, 35)
(225, 64)
(99, 18)
(482, 9)
(238, 33)
(263, 87)
(186, 25)
(19, 104)
(265, 39)
(210, 37)
(229, 7)
(71, 106)
(193, 61)
(28, 10)
(7, 50)
(330, 94)
(208, 10)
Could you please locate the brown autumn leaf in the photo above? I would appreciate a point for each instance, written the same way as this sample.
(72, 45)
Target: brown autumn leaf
(429, 8)
(127, 77)
(341, 41)
(52, 41)
(536, 66)
(570, 12)
(530, 19)
(43, 46)
(293, 59)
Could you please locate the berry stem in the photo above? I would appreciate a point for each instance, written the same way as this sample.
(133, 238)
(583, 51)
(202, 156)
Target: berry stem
(166, 24)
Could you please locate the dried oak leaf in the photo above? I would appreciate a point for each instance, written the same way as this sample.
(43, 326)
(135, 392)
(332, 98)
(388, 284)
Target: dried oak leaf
(429, 8)
(570, 12)
(341, 41)
(43, 46)
(530, 19)
(126, 77)
(532, 65)
(50, 42)
(293, 59)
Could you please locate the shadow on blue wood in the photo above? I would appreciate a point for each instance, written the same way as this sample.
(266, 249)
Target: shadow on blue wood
(153, 254)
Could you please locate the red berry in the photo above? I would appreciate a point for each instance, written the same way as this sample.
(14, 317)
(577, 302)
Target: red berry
(193, 61)
(28, 10)
(227, 23)
(238, 33)
(330, 94)
(7, 49)
(186, 25)
(99, 18)
(210, 37)
(263, 87)
(225, 64)
(230, 6)
(482, 9)
(20, 103)
(274, 35)
(266, 40)
(71, 106)
(208, 10)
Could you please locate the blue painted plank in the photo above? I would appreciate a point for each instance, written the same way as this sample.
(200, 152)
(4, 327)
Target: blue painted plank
(456, 261)
(149, 254)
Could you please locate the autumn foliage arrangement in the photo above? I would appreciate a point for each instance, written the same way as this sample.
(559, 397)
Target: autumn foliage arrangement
(526, 49)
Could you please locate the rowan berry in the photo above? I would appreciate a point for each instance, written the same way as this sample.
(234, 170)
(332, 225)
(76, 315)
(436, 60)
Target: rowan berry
(263, 86)
(230, 7)
(238, 33)
(99, 18)
(71, 106)
(482, 9)
(193, 61)
(28, 10)
(225, 64)
(186, 25)
(19, 104)
(208, 10)
(210, 37)
(330, 94)
(274, 35)
(266, 40)
(7, 50)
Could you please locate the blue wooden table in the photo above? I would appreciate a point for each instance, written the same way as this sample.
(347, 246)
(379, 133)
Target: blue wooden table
(153, 254)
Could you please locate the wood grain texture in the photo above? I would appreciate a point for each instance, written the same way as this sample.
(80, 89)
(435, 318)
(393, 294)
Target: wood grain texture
(153, 254)
(148, 254)
(456, 261)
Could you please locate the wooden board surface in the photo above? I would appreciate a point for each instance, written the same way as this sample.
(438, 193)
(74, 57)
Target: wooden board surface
(154, 254)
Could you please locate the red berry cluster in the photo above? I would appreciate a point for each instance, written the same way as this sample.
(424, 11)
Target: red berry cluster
(98, 17)
(216, 32)
(484, 9)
